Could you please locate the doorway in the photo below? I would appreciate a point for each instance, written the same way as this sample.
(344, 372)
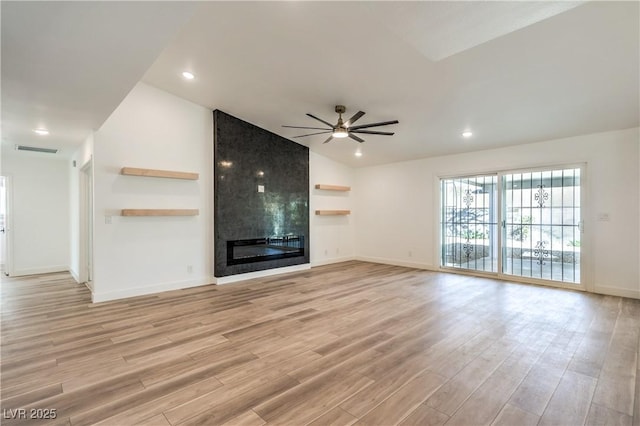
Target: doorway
(524, 223)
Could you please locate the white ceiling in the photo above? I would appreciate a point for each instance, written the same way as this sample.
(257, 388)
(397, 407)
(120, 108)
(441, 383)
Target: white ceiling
(67, 65)
(513, 72)
(443, 28)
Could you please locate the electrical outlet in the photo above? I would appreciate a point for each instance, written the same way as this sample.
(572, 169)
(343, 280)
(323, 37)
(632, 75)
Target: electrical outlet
(326, 252)
(107, 220)
(189, 269)
(410, 253)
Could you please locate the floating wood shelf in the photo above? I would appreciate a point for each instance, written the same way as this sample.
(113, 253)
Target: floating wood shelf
(132, 171)
(333, 212)
(160, 212)
(333, 187)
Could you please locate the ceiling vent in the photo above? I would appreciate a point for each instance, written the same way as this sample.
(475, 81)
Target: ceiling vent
(36, 149)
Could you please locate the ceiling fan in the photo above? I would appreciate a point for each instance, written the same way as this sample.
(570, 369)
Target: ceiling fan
(345, 129)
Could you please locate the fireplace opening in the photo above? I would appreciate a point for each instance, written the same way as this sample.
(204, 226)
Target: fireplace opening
(262, 249)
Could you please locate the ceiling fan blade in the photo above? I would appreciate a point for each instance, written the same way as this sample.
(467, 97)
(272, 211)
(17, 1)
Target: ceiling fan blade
(353, 119)
(373, 132)
(302, 127)
(311, 134)
(330, 137)
(320, 120)
(382, 123)
(354, 137)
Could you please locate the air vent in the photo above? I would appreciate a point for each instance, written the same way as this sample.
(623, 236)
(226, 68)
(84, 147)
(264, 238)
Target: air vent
(36, 149)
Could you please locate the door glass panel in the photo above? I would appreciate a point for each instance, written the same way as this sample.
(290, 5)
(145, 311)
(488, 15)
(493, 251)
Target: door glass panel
(541, 234)
(469, 231)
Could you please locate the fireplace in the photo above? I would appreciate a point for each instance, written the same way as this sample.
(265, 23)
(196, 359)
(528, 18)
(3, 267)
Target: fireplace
(263, 249)
(261, 199)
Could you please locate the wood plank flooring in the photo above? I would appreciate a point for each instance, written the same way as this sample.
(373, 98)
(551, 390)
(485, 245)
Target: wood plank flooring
(352, 343)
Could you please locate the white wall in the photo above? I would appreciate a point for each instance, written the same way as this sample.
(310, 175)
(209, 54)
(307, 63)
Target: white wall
(140, 255)
(81, 157)
(40, 212)
(137, 255)
(397, 204)
(332, 237)
(394, 207)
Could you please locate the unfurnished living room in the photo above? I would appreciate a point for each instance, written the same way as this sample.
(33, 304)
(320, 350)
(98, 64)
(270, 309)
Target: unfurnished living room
(320, 213)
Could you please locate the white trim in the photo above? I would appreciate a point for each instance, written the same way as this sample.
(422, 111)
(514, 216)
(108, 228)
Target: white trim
(617, 291)
(37, 271)
(332, 261)
(74, 275)
(437, 230)
(150, 289)
(260, 274)
(86, 220)
(610, 291)
(509, 170)
(8, 226)
(395, 262)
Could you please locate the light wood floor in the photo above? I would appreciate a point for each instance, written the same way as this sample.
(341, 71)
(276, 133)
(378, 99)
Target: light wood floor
(353, 343)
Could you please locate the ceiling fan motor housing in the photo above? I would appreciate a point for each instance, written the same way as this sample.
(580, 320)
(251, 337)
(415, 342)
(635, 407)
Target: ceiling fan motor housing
(340, 109)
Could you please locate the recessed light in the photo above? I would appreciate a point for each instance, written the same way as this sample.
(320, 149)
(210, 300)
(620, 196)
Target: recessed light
(41, 131)
(188, 75)
(467, 134)
(358, 153)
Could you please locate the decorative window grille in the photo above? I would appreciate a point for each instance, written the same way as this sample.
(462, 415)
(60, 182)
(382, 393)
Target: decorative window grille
(539, 214)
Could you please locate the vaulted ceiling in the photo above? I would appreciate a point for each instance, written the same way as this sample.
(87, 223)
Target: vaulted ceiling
(511, 72)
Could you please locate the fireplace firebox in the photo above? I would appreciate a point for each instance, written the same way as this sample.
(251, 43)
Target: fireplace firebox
(262, 249)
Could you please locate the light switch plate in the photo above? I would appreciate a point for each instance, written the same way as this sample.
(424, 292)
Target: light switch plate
(260, 188)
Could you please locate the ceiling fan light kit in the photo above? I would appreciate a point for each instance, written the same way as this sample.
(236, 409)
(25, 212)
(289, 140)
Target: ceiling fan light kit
(340, 133)
(344, 129)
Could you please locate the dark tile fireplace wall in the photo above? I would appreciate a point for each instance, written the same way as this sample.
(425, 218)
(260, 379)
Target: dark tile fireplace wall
(246, 158)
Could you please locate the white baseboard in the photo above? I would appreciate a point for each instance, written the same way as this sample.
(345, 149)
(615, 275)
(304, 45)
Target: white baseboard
(36, 271)
(260, 274)
(395, 262)
(611, 291)
(332, 261)
(75, 276)
(617, 291)
(150, 289)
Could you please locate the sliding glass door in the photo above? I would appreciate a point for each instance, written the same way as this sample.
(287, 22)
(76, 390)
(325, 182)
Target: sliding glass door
(541, 237)
(539, 213)
(469, 224)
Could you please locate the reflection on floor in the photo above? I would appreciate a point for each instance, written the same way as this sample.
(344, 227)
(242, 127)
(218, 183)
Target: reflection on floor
(527, 267)
(350, 343)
